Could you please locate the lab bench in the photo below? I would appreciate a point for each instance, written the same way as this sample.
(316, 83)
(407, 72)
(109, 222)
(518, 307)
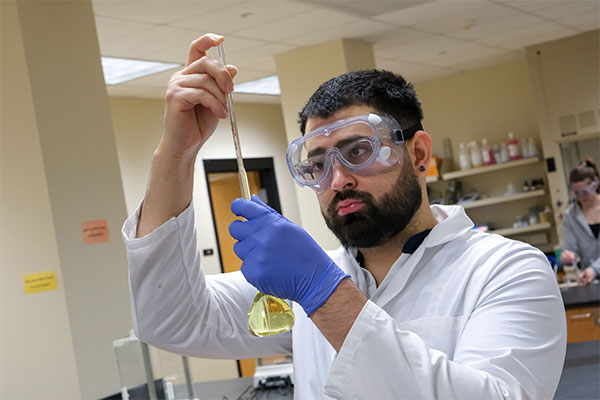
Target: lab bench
(582, 307)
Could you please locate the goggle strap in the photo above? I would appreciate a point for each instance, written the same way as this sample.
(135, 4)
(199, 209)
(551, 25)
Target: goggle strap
(402, 135)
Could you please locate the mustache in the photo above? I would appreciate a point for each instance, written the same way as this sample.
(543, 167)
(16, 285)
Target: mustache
(365, 197)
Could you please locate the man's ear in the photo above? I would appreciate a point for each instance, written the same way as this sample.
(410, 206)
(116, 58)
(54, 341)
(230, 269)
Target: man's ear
(421, 150)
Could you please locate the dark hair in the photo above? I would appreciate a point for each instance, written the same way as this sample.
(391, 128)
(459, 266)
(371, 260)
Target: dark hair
(385, 91)
(585, 169)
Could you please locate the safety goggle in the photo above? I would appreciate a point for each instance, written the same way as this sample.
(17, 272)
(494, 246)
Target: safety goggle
(366, 144)
(585, 191)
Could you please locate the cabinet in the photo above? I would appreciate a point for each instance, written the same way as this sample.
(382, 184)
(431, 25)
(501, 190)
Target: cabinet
(497, 209)
(583, 324)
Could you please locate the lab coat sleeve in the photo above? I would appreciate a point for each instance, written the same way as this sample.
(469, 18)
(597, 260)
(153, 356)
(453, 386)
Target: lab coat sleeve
(177, 308)
(512, 346)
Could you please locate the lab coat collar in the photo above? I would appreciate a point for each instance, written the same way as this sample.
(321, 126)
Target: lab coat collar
(453, 222)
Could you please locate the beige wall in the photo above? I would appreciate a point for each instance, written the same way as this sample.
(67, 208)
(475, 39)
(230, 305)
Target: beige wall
(486, 103)
(37, 358)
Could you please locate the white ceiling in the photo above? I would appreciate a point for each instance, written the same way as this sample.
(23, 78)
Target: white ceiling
(422, 40)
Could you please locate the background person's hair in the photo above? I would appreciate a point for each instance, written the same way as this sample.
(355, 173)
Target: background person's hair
(585, 169)
(385, 91)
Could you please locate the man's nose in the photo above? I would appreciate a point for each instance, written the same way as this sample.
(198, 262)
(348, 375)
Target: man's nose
(342, 178)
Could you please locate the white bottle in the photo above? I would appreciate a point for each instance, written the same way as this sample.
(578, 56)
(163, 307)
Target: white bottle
(532, 150)
(463, 157)
(487, 154)
(475, 154)
(504, 153)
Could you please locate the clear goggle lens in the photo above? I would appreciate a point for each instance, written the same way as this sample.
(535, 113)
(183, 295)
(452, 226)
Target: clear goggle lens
(367, 144)
(585, 191)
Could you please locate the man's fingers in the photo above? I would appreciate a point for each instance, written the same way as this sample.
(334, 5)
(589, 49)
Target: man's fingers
(200, 46)
(247, 209)
(203, 82)
(191, 97)
(213, 68)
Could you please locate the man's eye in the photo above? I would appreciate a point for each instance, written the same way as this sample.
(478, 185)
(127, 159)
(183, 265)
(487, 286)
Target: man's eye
(317, 165)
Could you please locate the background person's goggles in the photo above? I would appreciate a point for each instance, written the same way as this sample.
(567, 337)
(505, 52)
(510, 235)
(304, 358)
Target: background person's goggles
(585, 191)
(367, 143)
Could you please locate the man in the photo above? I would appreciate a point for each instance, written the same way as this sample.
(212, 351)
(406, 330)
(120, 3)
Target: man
(415, 304)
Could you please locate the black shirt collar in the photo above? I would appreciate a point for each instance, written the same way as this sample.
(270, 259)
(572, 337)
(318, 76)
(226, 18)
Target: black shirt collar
(409, 247)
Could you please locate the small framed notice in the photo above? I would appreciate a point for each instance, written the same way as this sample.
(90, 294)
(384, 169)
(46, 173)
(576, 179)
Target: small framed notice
(40, 282)
(95, 231)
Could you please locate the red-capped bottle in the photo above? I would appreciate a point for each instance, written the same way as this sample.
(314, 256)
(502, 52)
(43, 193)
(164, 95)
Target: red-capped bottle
(514, 148)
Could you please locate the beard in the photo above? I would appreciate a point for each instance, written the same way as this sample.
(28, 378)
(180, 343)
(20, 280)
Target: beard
(376, 222)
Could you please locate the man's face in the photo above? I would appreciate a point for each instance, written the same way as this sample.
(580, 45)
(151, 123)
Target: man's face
(367, 210)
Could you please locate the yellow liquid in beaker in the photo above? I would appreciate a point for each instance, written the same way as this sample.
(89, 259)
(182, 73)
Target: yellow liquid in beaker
(269, 315)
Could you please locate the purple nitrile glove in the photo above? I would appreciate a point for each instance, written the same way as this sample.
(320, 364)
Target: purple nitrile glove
(280, 258)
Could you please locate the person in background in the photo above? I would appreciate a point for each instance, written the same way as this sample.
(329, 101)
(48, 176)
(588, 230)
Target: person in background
(581, 223)
(414, 304)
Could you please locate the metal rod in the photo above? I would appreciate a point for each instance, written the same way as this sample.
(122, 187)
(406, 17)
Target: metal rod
(149, 373)
(188, 378)
(243, 177)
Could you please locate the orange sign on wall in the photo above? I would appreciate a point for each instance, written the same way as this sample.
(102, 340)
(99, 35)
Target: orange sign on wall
(95, 231)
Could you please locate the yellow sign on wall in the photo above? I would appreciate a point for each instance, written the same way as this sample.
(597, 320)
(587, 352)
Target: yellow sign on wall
(40, 282)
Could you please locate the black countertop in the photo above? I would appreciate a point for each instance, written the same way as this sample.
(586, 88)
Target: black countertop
(580, 296)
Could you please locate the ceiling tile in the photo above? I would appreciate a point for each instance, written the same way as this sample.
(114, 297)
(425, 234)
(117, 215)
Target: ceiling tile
(147, 42)
(496, 27)
(361, 29)
(105, 4)
(162, 11)
(464, 16)
(584, 22)
(430, 11)
(530, 5)
(396, 37)
(248, 57)
(520, 38)
(178, 51)
(243, 15)
(112, 28)
(455, 55)
(424, 46)
(568, 9)
(299, 24)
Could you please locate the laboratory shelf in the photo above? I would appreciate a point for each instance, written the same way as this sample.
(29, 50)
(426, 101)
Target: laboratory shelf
(489, 168)
(502, 199)
(524, 229)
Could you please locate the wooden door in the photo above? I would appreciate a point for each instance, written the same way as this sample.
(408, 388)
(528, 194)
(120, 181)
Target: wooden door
(224, 188)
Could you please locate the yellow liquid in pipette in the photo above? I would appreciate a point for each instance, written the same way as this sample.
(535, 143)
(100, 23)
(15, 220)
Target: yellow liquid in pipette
(268, 315)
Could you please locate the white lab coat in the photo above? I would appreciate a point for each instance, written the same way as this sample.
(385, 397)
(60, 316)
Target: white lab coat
(468, 315)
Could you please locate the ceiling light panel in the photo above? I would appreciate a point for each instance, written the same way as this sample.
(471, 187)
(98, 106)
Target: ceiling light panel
(267, 86)
(118, 70)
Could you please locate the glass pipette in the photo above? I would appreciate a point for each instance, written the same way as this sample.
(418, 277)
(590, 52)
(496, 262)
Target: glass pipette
(268, 315)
